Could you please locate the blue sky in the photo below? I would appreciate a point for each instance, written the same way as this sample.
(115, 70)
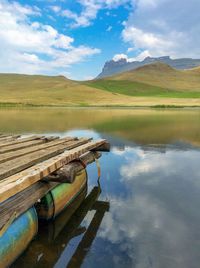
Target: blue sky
(75, 38)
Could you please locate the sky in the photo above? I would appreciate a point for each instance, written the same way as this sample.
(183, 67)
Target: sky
(76, 37)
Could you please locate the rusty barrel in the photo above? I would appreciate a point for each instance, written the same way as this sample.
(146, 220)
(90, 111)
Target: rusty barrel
(17, 237)
(60, 197)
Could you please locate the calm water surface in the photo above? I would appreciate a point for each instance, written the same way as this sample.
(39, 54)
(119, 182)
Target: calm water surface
(150, 185)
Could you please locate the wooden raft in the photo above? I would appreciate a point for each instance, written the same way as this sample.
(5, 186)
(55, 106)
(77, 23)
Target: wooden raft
(33, 164)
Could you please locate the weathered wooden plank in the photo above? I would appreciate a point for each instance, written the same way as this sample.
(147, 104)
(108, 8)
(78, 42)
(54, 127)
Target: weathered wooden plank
(24, 179)
(16, 165)
(22, 201)
(13, 155)
(13, 141)
(23, 145)
(5, 136)
(8, 139)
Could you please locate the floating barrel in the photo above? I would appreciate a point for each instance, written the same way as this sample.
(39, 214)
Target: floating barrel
(61, 197)
(17, 237)
(52, 236)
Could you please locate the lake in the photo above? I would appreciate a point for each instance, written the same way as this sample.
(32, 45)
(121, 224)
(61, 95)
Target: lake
(150, 184)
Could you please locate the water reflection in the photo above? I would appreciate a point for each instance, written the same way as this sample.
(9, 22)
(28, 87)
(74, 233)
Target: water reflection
(53, 237)
(156, 223)
(138, 126)
(151, 179)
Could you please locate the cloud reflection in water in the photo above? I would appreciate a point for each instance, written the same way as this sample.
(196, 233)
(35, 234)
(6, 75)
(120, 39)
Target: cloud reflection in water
(156, 223)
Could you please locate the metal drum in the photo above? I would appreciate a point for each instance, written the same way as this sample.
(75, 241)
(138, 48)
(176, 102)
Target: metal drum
(61, 197)
(17, 237)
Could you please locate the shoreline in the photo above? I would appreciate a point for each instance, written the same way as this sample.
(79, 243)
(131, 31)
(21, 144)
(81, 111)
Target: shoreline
(156, 106)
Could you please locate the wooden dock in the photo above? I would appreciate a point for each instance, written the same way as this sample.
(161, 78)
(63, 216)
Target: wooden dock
(31, 166)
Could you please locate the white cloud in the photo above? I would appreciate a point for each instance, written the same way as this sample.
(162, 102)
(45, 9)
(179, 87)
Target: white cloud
(109, 28)
(130, 49)
(90, 9)
(118, 57)
(56, 9)
(33, 47)
(164, 27)
(140, 57)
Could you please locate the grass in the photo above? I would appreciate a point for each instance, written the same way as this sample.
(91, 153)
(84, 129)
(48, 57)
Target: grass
(117, 91)
(131, 88)
(34, 90)
(163, 76)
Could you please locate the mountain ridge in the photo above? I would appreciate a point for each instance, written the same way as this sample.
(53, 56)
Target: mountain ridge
(115, 67)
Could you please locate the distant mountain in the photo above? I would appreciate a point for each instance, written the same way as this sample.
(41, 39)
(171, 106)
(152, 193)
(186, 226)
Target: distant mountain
(114, 67)
(155, 79)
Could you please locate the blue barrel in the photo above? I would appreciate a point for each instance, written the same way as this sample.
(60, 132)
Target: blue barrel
(17, 237)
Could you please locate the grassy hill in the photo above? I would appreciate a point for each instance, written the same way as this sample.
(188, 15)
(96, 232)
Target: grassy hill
(153, 85)
(49, 90)
(155, 79)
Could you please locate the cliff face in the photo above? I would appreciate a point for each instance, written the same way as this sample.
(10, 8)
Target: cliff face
(113, 67)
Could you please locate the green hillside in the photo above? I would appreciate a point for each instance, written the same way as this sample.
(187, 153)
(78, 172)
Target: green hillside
(155, 79)
(49, 90)
(120, 90)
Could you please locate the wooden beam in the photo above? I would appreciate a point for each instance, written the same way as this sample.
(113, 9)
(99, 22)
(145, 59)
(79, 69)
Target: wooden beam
(103, 148)
(67, 173)
(24, 179)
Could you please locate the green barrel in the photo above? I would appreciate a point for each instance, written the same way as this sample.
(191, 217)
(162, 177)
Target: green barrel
(17, 237)
(61, 197)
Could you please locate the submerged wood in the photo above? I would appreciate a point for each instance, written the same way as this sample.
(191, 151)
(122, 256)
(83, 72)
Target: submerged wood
(68, 173)
(22, 180)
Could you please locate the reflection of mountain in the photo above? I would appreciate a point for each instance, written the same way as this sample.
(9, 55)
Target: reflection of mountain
(153, 127)
(122, 125)
(121, 145)
(54, 236)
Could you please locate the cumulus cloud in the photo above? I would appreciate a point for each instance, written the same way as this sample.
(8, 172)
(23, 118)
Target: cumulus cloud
(33, 47)
(164, 27)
